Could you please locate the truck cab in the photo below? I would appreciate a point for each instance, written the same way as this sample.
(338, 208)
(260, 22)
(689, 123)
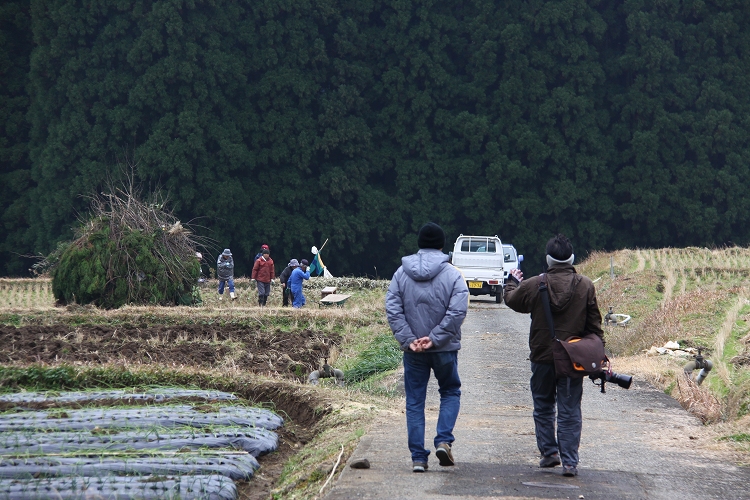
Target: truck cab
(481, 259)
(511, 260)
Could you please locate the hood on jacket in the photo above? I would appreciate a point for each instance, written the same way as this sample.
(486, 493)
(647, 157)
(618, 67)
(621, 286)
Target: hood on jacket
(562, 281)
(425, 264)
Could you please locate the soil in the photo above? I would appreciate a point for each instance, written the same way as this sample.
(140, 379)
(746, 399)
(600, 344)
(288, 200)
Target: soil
(287, 354)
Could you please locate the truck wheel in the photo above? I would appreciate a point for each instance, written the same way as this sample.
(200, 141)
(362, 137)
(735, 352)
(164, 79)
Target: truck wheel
(499, 297)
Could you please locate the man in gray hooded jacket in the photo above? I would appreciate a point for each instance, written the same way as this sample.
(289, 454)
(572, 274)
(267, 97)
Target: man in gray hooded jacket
(426, 304)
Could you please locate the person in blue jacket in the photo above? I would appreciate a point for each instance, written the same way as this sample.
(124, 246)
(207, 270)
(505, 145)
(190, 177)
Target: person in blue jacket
(295, 283)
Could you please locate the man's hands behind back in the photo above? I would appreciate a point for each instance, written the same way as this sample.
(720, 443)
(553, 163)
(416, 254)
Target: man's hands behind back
(421, 344)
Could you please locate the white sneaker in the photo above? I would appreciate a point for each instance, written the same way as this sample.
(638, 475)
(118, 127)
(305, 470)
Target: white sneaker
(231, 294)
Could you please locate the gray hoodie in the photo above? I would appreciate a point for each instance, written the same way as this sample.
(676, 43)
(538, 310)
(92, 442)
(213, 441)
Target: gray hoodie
(225, 268)
(427, 297)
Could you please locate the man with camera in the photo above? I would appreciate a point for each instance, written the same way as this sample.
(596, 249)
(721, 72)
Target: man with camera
(575, 312)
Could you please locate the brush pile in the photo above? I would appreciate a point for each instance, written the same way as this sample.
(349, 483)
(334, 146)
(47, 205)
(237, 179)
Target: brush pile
(127, 252)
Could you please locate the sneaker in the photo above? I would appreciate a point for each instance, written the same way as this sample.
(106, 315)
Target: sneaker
(443, 452)
(419, 466)
(570, 470)
(550, 461)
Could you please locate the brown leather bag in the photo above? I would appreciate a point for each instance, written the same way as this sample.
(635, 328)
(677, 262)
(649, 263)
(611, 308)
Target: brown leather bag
(574, 357)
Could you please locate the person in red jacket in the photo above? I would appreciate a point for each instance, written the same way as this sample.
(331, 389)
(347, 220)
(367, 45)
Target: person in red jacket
(263, 273)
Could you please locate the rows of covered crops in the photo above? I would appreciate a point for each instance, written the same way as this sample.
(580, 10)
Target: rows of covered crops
(119, 444)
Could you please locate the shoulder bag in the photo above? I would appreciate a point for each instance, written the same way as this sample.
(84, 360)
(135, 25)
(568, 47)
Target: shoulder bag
(574, 357)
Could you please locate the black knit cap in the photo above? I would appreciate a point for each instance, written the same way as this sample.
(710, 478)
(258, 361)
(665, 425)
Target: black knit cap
(559, 247)
(431, 236)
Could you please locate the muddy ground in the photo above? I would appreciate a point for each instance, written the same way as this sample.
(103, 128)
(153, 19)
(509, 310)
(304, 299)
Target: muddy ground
(289, 356)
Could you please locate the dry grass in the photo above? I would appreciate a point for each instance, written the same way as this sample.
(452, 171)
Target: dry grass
(26, 293)
(30, 302)
(698, 400)
(696, 296)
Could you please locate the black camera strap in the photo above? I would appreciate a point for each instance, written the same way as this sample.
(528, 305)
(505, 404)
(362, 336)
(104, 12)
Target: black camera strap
(544, 294)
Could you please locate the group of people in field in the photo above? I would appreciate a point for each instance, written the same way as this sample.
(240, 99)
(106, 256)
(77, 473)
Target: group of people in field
(264, 272)
(426, 304)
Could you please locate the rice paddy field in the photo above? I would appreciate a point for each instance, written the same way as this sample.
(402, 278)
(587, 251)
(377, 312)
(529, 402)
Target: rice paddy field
(212, 401)
(207, 401)
(697, 297)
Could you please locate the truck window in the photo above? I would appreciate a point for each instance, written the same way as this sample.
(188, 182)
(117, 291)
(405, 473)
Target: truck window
(483, 246)
(510, 255)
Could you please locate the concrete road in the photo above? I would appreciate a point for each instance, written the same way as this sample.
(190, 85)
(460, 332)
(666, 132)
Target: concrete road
(636, 444)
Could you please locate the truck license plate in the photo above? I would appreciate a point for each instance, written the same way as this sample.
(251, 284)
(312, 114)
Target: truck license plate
(475, 284)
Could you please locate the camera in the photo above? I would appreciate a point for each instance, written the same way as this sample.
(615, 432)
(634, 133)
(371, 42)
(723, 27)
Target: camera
(605, 376)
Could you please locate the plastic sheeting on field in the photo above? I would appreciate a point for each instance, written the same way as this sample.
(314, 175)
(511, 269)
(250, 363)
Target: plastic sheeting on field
(211, 487)
(152, 395)
(141, 417)
(256, 441)
(237, 466)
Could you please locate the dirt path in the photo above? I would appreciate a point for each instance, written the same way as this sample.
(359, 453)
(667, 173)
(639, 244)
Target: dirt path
(637, 444)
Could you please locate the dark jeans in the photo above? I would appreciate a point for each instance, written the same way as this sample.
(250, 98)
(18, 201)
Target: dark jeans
(546, 390)
(417, 368)
(264, 289)
(287, 294)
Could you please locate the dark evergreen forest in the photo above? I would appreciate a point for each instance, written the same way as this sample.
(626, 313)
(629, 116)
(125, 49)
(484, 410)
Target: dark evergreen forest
(618, 123)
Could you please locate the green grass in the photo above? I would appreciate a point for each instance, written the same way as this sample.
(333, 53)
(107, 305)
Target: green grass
(383, 354)
(739, 438)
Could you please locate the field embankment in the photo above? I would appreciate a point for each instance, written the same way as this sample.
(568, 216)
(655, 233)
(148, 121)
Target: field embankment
(262, 355)
(697, 297)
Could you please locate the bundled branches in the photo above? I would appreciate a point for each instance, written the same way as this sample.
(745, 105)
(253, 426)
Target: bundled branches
(128, 251)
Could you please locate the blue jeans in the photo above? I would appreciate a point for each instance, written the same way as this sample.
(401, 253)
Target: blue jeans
(221, 285)
(417, 368)
(546, 390)
(298, 300)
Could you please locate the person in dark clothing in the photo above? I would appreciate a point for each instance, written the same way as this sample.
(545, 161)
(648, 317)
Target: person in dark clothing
(284, 278)
(575, 312)
(263, 274)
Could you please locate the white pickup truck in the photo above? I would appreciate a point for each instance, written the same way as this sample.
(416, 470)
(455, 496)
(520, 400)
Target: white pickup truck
(511, 260)
(481, 259)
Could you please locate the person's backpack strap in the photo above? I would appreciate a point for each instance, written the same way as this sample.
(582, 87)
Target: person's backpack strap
(544, 294)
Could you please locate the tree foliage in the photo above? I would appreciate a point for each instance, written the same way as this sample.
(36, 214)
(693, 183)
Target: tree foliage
(617, 123)
(127, 252)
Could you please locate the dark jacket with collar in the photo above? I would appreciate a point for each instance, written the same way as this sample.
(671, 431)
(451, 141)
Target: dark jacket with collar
(575, 311)
(284, 276)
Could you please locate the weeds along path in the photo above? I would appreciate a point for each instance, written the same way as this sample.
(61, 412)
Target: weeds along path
(636, 444)
(725, 332)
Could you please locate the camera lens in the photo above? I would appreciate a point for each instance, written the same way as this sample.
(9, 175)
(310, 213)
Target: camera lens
(623, 381)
